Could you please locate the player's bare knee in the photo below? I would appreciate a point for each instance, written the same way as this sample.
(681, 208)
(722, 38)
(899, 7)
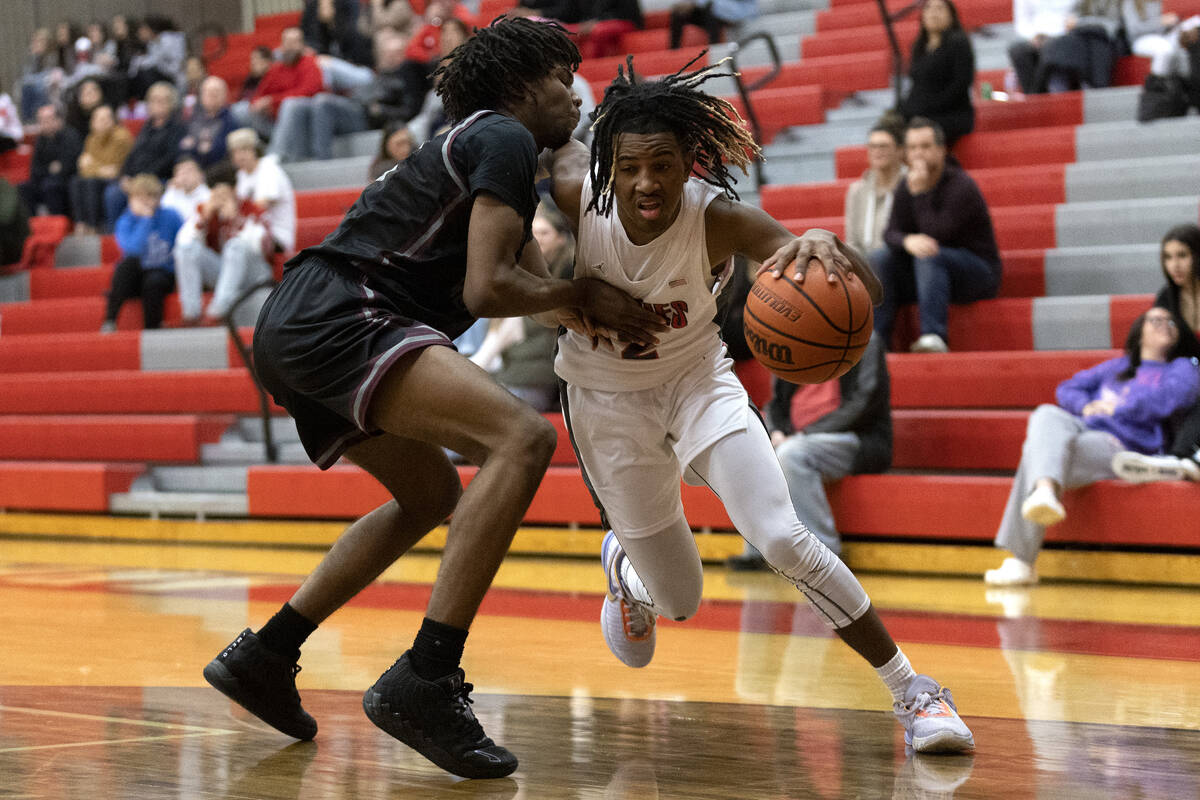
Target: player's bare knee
(532, 439)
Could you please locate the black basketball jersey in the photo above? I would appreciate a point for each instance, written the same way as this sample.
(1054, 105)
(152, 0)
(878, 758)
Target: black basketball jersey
(408, 230)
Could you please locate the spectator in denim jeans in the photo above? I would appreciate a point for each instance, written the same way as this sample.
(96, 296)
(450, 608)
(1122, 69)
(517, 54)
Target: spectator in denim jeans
(940, 245)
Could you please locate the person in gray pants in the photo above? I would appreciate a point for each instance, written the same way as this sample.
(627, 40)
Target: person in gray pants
(1120, 404)
(825, 432)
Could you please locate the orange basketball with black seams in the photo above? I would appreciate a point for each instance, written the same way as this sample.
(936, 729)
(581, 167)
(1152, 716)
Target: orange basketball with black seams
(808, 332)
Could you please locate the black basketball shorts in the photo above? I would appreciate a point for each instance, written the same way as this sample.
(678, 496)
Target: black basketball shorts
(323, 343)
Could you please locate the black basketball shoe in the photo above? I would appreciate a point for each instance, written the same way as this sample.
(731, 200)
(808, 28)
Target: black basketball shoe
(435, 719)
(263, 683)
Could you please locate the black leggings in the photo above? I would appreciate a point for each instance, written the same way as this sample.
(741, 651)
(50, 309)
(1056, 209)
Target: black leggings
(152, 285)
(701, 16)
(1187, 436)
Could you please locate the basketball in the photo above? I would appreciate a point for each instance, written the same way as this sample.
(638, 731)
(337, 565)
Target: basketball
(810, 332)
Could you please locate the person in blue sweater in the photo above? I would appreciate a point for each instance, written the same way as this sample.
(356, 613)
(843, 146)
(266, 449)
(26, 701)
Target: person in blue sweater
(1120, 404)
(145, 234)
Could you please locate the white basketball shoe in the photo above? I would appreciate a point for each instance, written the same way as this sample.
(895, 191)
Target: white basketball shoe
(930, 719)
(629, 626)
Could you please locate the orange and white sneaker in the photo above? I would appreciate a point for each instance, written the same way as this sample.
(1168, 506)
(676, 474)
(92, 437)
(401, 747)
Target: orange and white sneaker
(930, 719)
(629, 626)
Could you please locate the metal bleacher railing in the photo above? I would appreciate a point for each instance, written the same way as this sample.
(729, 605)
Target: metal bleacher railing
(264, 401)
(890, 17)
(744, 89)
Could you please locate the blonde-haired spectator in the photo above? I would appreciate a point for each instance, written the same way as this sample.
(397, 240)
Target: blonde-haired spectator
(145, 234)
(261, 180)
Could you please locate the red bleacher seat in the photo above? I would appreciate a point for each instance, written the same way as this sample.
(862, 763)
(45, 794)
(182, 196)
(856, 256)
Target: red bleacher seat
(972, 14)
(49, 283)
(65, 352)
(1053, 145)
(984, 380)
(326, 203)
(117, 391)
(175, 438)
(75, 315)
(62, 486)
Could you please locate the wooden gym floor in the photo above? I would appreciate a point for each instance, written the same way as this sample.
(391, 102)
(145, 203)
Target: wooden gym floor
(1072, 690)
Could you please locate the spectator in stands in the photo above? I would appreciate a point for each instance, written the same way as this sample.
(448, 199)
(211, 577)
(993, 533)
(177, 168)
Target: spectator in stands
(1121, 404)
(331, 28)
(1036, 21)
(223, 246)
(1083, 57)
(186, 190)
(425, 44)
(395, 145)
(194, 73)
(264, 183)
(35, 73)
(117, 56)
(81, 102)
(162, 61)
(1173, 84)
(104, 49)
(14, 223)
(145, 234)
(431, 119)
(11, 131)
(295, 75)
(394, 14)
(940, 246)
(104, 153)
(66, 32)
(714, 16)
(1180, 255)
(261, 59)
(869, 199)
(942, 70)
(599, 25)
(84, 67)
(155, 149)
(824, 432)
(518, 352)
(211, 122)
(400, 88)
(55, 159)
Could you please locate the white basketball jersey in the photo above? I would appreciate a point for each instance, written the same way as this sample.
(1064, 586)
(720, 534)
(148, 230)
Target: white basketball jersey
(671, 275)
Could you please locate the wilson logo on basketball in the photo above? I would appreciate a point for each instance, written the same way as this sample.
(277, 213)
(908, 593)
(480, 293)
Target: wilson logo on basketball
(775, 303)
(778, 353)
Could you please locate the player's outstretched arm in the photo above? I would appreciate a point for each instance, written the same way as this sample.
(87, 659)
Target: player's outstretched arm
(735, 227)
(569, 168)
(497, 286)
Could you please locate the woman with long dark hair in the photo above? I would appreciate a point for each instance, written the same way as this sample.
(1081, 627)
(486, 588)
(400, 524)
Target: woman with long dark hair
(942, 70)
(1180, 258)
(1120, 404)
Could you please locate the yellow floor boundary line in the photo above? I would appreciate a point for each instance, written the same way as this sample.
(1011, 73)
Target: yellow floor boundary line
(895, 557)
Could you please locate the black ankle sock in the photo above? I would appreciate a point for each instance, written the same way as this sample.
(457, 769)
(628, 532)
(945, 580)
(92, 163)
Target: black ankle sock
(286, 631)
(437, 650)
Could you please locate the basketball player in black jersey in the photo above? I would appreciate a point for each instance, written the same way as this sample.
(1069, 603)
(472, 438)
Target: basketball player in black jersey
(355, 344)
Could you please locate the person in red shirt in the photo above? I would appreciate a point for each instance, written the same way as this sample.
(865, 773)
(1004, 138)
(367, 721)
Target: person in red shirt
(294, 74)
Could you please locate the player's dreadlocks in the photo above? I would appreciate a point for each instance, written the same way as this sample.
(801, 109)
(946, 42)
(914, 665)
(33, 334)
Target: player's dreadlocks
(494, 68)
(708, 128)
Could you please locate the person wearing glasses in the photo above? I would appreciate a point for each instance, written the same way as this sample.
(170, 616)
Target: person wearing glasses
(1120, 404)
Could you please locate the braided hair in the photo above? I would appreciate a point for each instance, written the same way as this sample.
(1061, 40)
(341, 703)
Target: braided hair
(495, 68)
(709, 129)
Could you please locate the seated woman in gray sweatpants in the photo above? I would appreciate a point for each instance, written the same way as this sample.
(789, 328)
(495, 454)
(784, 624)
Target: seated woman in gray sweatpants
(1121, 404)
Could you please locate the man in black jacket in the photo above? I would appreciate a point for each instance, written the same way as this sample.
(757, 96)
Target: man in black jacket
(155, 150)
(55, 157)
(826, 432)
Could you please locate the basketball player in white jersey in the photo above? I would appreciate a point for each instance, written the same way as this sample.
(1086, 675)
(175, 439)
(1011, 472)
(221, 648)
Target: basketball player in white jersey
(640, 417)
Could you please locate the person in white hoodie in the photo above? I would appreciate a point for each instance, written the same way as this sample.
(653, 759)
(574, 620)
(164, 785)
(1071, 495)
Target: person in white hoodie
(1036, 21)
(262, 180)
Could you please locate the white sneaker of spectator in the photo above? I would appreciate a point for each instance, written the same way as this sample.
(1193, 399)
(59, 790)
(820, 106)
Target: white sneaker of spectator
(1139, 468)
(930, 343)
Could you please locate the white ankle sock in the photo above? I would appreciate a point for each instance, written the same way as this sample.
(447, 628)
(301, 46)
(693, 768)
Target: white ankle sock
(897, 674)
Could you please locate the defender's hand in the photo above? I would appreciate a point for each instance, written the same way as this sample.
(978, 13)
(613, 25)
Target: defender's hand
(610, 308)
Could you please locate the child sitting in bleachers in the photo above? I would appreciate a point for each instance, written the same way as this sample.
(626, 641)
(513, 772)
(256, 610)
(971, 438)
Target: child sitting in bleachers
(145, 233)
(1121, 404)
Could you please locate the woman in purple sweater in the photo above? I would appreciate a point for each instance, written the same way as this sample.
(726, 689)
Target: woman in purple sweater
(1118, 405)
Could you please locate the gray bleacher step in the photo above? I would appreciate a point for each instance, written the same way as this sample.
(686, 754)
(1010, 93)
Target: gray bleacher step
(1115, 104)
(1120, 140)
(180, 504)
(14, 288)
(1131, 178)
(803, 168)
(798, 22)
(227, 480)
(336, 173)
(1121, 222)
(352, 145)
(232, 452)
(185, 348)
(1108, 269)
(78, 250)
(1080, 322)
(283, 429)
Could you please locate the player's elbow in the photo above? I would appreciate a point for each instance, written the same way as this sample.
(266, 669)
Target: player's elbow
(483, 300)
